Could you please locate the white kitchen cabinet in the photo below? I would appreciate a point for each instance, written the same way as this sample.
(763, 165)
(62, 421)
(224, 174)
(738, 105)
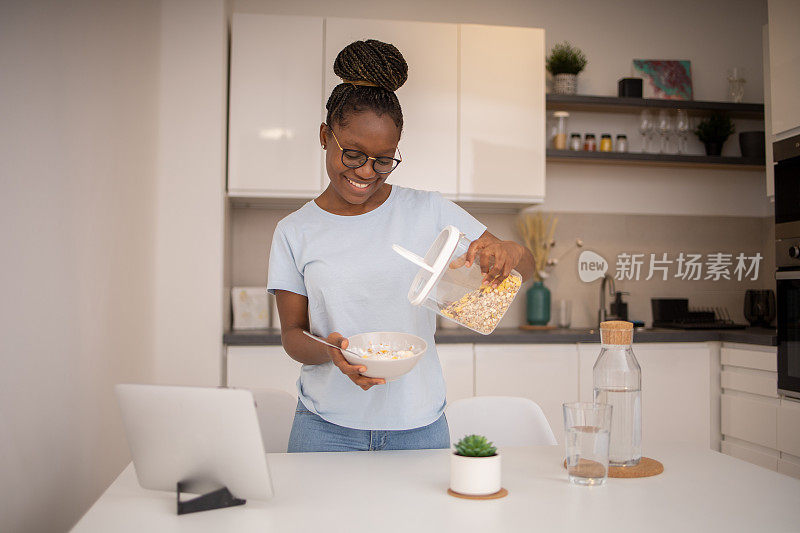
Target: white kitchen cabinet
(276, 106)
(429, 98)
(458, 368)
(545, 373)
(502, 102)
(789, 427)
(784, 65)
(770, 165)
(262, 367)
(757, 425)
(676, 391)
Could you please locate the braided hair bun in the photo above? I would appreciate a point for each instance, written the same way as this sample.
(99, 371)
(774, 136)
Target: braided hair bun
(372, 62)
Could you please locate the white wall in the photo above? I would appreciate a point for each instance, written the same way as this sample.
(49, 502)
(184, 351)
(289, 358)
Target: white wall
(79, 88)
(713, 34)
(191, 192)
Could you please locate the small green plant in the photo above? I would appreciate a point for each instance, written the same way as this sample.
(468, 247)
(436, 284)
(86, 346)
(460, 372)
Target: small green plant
(475, 446)
(565, 59)
(715, 129)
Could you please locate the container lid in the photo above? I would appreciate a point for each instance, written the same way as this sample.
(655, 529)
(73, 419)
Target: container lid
(561, 114)
(616, 332)
(433, 265)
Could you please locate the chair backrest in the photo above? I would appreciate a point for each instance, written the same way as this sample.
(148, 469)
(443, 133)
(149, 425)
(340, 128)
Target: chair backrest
(504, 420)
(275, 409)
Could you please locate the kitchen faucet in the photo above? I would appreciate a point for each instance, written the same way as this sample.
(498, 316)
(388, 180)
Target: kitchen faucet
(602, 316)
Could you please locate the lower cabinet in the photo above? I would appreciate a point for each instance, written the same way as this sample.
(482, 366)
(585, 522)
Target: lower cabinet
(757, 425)
(677, 391)
(545, 373)
(458, 368)
(262, 367)
(681, 382)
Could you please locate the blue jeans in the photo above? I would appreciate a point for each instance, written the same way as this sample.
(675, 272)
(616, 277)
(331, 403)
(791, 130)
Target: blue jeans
(312, 433)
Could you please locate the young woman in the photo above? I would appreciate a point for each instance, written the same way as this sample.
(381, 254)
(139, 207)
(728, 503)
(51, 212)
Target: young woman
(334, 273)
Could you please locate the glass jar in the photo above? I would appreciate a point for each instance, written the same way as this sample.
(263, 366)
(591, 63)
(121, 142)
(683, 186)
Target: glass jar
(617, 380)
(589, 142)
(622, 143)
(575, 141)
(560, 137)
(605, 142)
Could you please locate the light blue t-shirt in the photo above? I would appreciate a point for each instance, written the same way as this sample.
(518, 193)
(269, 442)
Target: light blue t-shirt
(355, 283)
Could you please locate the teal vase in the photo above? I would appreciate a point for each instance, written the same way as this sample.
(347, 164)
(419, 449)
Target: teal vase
(538, 304)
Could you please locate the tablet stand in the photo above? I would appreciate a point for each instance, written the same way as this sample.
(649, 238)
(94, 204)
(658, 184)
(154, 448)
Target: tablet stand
(217, 499)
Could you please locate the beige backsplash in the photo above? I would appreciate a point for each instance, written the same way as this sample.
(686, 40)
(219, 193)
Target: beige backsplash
(607, 234)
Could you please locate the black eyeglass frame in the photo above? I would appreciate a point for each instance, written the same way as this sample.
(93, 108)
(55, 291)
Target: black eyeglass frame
(366, 157)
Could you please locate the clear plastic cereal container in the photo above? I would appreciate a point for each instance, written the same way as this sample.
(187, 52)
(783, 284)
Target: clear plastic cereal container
(448, 287)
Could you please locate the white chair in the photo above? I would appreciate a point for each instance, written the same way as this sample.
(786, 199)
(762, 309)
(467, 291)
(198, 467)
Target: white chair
(275, 409)
(504, 420)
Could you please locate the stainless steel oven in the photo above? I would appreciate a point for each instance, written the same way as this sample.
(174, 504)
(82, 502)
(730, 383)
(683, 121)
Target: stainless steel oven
(787, 260)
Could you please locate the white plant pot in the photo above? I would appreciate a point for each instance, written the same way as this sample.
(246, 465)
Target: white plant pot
(565, 83)
(475, 476)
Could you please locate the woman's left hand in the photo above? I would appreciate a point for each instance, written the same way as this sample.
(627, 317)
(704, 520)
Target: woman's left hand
(495, 257)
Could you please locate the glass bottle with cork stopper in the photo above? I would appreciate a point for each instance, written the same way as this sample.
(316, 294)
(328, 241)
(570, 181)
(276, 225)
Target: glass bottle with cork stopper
(618, 382)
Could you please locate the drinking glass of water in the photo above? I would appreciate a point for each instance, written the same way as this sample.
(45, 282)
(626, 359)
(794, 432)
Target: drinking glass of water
(587, 427)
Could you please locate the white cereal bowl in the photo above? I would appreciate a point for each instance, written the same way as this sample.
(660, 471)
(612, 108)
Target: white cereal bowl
(389, 369)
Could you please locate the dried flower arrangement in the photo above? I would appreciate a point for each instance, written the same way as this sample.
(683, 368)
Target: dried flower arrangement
(537, 231)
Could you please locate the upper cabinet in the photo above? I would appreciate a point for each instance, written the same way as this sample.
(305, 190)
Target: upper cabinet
(429, 98)
(784, 64)
(276, 106)
(502, 101)
(473, 106)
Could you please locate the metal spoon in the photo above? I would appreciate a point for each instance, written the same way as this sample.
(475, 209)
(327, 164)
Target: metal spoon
(323, 341)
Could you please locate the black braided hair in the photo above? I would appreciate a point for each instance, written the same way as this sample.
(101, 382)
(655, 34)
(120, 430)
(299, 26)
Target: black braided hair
(371, 61)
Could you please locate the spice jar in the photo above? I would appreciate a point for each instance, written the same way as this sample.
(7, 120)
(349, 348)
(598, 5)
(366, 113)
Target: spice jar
(605, 142)
(575, 141)
(622, 143)
(589, 143)
(560, 137)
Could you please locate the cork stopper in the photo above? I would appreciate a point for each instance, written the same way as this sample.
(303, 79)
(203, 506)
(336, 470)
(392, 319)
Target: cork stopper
(616, 332)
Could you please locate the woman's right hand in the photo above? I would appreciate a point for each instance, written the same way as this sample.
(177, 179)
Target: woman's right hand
(351, 371)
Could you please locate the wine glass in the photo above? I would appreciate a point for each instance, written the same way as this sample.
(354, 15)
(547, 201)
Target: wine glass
(646, 125)
(664, 128)
(682, 128)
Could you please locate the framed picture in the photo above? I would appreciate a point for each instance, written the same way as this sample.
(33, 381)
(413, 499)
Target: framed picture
(665, 78)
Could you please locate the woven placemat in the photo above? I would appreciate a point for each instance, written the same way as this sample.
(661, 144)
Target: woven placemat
(647, 467)
(502, 493)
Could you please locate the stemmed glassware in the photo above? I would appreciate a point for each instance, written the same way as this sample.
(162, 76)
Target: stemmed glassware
(682, 127)
(646, 126)
(664, 128)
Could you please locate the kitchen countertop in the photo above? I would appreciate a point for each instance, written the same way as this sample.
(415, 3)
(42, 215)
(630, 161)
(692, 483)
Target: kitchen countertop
(759, 336)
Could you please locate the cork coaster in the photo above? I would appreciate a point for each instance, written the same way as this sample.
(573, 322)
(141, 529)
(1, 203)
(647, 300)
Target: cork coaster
(528, 327)
(502, 493)
(647, 467)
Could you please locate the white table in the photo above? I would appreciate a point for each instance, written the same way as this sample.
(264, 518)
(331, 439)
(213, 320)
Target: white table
(700, 490)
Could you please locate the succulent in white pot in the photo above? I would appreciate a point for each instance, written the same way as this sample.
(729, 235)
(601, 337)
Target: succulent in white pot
(475, 467)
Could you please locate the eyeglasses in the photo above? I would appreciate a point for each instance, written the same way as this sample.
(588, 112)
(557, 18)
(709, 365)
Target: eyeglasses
(357, 159)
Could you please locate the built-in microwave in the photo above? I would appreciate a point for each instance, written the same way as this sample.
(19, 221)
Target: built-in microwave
(787, 260)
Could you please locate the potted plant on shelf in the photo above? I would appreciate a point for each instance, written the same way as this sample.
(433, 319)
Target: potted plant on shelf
(565, 63)
(713, 131)
(475, 467)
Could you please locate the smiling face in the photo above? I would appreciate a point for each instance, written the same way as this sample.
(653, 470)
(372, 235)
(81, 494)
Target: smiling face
(375, 135)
